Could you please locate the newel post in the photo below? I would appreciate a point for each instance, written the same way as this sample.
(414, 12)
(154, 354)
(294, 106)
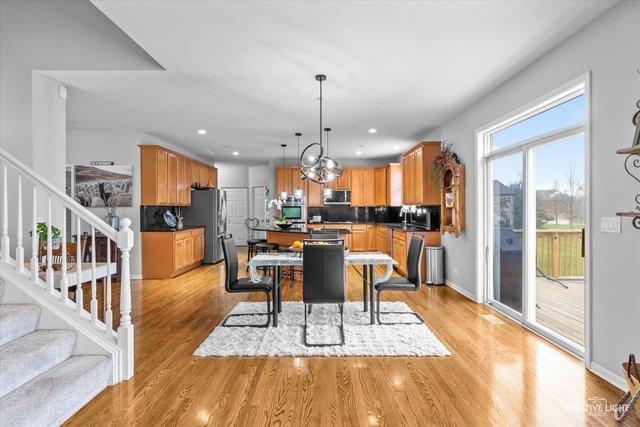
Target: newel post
(125, 330)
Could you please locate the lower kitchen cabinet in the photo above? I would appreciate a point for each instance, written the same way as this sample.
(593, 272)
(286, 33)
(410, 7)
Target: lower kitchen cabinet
(166, 254)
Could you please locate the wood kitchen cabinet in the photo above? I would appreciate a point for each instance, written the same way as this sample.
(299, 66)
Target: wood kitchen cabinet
(166, 254)
(394, 184)
(315, 198)
(289, 178)
(399, 253)
(416, 188)
(400, 248)
(362, 188)
(167, 177)
(358, 238)
(380, 186)
(372, 238)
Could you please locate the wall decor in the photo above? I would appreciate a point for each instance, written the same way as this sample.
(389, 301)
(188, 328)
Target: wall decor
(95, 185)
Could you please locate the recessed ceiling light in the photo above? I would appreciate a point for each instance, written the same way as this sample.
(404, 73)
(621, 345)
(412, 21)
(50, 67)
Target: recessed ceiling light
(235, 153)
(358, 152)
(372, 130)
(201, 131)
(395, 147)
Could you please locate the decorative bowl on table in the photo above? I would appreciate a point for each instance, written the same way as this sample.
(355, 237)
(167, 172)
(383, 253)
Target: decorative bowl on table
(284, 225)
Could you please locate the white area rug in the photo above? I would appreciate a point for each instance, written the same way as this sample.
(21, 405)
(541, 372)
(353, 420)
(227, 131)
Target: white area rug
(361, 338)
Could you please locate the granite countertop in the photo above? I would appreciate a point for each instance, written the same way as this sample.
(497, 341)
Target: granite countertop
(186, 227)
(301, 230)
(393, 225)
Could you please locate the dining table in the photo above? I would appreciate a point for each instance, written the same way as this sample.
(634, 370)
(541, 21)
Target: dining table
(369, 260)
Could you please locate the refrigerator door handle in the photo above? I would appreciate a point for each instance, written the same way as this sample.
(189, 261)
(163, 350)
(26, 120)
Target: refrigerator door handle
(222, 214)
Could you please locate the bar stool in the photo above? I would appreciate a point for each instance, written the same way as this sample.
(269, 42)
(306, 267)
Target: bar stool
(266, 247)
(251, 250)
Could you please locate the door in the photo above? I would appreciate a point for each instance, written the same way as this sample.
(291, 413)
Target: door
(534, 197)
(368, 188)
(237, 211)
(259, 210)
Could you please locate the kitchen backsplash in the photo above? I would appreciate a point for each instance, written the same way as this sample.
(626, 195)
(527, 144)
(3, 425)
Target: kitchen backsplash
(342, 213)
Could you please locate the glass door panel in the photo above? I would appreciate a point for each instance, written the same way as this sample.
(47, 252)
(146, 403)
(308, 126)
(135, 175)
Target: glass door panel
(506, 242)
(559, 229)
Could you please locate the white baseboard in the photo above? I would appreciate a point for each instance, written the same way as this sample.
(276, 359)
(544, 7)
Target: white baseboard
(135, 276)
(609, 376)
(463, 291)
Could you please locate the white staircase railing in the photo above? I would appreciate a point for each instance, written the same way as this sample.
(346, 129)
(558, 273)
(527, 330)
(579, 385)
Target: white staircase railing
(66, 272)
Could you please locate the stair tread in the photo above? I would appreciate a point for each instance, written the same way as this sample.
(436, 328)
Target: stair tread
(17, 320)
(27, 357)
(55, 395)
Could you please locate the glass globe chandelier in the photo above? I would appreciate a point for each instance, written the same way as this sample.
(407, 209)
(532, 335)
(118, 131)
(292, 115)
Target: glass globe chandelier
(315, 165)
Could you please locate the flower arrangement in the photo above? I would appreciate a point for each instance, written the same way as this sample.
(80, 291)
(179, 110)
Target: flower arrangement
(282, 217)
(436, 169)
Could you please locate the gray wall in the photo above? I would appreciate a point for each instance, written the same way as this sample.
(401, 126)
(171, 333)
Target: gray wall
(608, 47)
(121, 147)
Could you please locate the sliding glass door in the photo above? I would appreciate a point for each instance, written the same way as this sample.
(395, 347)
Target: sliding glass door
(534, 198)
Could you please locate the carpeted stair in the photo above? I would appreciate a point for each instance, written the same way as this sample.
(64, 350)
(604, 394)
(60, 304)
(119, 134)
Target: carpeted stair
(41, 381)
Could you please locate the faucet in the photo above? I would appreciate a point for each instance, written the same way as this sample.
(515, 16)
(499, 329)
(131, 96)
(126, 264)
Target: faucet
(404, 210)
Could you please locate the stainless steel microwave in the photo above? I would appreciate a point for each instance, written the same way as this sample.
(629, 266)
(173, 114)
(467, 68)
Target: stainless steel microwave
(338, 197)
(295, 212)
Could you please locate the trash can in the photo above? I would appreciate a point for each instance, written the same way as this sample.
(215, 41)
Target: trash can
(435, 265)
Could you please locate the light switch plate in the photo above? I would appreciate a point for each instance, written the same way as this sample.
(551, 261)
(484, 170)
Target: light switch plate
(610, 224)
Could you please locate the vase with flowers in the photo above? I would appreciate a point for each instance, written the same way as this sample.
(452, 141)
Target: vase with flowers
(111, 206)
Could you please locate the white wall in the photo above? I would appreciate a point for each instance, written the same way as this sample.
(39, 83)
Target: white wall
(121, 147)
(608, 47)
(232, 175)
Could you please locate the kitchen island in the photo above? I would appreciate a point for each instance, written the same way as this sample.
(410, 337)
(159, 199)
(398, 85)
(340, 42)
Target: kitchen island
(285, 238)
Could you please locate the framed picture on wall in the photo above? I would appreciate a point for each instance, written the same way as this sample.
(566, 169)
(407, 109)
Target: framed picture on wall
(95, 185)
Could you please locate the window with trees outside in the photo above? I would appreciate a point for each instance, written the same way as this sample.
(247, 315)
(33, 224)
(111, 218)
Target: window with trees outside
(534, 197)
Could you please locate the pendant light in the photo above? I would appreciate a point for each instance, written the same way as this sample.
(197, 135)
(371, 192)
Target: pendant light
(298, 193)
(327, 192)
(321, 169)
(283, 193)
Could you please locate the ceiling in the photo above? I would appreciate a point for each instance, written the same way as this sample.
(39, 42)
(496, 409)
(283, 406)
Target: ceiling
(245, 70)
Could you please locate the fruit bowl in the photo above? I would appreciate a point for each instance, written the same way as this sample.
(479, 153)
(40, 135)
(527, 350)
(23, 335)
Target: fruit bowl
(284, 225)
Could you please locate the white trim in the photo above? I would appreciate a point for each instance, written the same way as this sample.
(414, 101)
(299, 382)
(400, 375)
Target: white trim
(580, 85)
(462, 291)
(135, 276)
(608, 376)
(59, 195)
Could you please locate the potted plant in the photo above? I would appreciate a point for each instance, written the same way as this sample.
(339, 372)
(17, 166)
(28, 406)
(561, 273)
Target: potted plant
(43, 237)
(282, 221)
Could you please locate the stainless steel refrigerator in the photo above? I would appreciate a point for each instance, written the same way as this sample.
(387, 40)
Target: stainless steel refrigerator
(209, 208)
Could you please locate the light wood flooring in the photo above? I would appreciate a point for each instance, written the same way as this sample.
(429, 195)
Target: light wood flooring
(497, 374)
(561, 309)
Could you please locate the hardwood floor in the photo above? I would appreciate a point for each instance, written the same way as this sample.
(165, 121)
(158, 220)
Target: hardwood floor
(497, 374)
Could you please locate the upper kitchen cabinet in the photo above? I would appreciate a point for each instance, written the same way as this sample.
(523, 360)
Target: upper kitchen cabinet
(362, 188)
(315, 198)
(166, 176)
(289, 179)
(416, 190)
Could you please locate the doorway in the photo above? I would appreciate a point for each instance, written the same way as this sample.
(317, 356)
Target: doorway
(535, 218)
(237, 211)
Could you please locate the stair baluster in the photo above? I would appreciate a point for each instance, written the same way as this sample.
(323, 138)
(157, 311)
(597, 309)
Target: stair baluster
(64, 284)
(4, 242)
(35, 267)
(94, 301)
(49, 249)
(79, 254)
(19, 248)
(108, 314)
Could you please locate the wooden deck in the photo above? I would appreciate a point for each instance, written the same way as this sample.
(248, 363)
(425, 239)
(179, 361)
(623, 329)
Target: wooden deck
(560, 309)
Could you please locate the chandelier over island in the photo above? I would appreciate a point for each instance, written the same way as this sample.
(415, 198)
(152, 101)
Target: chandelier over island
(315, 165)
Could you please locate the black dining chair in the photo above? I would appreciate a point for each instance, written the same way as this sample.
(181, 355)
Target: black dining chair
(234, 285)
(323, 280)
(411, 283)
